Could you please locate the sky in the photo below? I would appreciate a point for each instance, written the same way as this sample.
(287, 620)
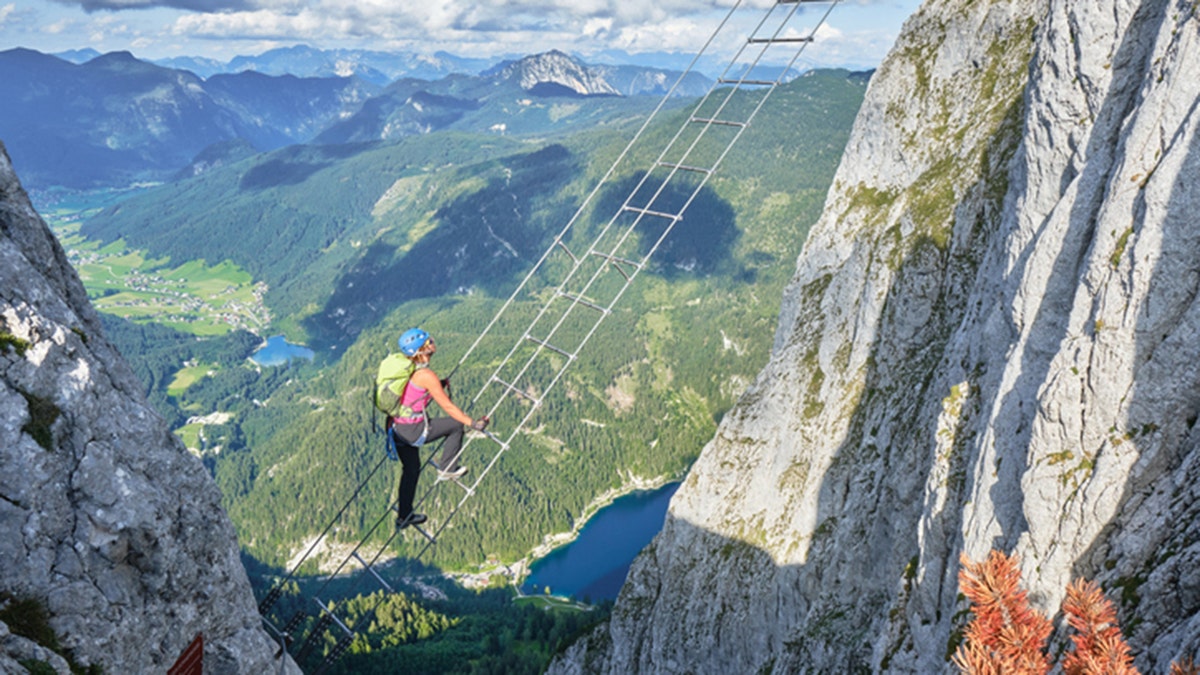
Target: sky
(857, 33)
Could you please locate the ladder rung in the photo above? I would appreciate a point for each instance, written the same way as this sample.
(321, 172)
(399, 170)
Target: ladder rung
(709, 120)
(765, 83)
(432, 539)
(648, 212)
(586, 303)
(759, 41)
(513, 388)
(613, 260)
(292, 625)
(333, 617)
(314, 636)
(338, 649)
(684, 167)
(269, 601)
(563, 246)
(494, 437)
(370, 569)
(549, 346)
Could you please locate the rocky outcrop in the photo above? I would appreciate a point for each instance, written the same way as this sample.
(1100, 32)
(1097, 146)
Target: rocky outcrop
(106, 522)
(557, 69)
(992, 340)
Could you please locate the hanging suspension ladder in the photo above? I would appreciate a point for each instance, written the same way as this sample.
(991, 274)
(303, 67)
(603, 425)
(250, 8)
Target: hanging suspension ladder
(593, 274)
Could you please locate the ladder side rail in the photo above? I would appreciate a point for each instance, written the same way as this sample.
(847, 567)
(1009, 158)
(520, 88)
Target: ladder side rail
(276, 589)
(578, 262)
(328, 614)
(597, 274)
(603, 180)
(744, 77)
(370, 532)
(540, 344)
(562, 286)
(559, 290)
(738, 53)
(628, 231)
(812, 36)
(661, 188)
(758, 106)
(730, 92)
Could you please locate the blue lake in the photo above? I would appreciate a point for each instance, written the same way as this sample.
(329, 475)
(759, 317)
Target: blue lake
(278, 351)
(594, 566)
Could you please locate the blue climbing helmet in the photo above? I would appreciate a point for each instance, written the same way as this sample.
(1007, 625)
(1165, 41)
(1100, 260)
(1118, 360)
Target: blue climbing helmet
(412, 340)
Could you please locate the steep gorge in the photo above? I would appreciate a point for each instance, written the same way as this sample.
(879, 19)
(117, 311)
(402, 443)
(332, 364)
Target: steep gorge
(992, 340)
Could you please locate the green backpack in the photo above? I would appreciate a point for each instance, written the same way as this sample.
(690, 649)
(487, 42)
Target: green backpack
(390, 381)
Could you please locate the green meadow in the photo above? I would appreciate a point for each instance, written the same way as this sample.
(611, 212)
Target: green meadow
(194, 297)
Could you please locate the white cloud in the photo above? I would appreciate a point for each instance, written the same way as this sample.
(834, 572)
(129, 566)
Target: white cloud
(6, 11)
(57, 28)
(478, 27)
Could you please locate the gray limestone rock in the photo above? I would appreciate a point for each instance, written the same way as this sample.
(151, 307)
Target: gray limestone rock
(992, 340)
(105, 519)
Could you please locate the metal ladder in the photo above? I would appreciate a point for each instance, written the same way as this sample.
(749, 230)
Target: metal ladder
(583, 274)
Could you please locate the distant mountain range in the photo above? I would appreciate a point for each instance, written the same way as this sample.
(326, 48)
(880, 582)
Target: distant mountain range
(115, 120)
(83, 120)
(383, 68)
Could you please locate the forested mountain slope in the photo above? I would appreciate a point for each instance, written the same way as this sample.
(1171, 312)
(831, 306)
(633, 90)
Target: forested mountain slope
(359, 242)
(990, 341)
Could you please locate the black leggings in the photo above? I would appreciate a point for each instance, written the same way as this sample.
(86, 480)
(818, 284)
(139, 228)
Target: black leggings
(410, 456)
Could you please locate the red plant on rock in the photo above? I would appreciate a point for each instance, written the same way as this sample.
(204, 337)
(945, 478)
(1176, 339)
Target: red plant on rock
(1099, 645)
(1008, 637)
(1187, 667)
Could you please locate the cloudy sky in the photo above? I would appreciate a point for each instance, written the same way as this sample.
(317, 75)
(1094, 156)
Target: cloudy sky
(857, 33)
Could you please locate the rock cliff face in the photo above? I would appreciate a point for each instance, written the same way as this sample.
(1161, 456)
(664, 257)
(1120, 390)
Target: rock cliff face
(106, 522)
(992, 340)
(556, 68)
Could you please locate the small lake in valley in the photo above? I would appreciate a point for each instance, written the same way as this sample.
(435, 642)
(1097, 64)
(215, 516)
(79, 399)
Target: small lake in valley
(593, 566)
(278, 351)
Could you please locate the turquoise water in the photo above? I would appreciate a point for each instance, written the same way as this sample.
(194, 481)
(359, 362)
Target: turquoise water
(594, 566)
(278, 351)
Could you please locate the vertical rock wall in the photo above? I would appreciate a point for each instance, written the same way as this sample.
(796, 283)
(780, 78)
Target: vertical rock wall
(992, 340)
(105, 519)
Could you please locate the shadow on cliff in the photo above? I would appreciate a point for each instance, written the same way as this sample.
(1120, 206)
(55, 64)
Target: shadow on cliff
(482, 240)
(1050, 325)
(828, 613)
(1146, 555)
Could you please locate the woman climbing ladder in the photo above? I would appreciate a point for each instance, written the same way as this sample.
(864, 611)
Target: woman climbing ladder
(414, 430)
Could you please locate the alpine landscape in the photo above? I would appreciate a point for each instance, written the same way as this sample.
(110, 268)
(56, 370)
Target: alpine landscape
(916, 316)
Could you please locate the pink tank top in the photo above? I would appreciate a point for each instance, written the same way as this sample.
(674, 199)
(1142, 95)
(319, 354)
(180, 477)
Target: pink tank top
(415, 398)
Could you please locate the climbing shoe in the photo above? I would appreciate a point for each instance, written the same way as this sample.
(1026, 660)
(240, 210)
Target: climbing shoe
(452, 474)
(411, 519)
